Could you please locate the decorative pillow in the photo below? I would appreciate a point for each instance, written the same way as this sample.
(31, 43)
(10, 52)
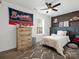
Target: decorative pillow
(72, 45)
(76, 39)
(53, 34)
(62, 33)
(77, 36)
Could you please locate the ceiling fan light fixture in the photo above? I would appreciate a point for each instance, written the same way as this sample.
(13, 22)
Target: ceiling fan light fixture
(50, 10)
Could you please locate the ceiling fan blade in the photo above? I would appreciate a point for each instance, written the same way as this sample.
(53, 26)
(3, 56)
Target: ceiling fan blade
(48, 5)
(55, 9)
(56, 5)
(44, 9)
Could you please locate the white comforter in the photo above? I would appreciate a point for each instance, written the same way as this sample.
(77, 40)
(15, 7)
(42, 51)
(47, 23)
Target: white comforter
(57, 42)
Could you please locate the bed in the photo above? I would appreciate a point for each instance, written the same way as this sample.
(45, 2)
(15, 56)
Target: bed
(56, 41)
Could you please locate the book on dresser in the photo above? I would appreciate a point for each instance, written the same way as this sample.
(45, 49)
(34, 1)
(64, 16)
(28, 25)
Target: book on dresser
(24, 37)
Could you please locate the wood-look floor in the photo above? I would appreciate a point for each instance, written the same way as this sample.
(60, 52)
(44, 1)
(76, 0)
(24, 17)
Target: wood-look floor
(39, 52)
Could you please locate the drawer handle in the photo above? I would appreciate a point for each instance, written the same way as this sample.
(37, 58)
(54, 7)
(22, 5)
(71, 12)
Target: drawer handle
(29, 39)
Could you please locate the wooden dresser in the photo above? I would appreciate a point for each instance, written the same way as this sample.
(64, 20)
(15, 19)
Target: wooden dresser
(24, 37)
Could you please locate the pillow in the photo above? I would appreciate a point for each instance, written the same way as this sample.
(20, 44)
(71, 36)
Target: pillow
(53, 34)
(62, 33)
(72, 45)
(77, 36)
(76, 39)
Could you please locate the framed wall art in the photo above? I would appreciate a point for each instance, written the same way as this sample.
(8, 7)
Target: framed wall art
(19, 17)
(61, 24)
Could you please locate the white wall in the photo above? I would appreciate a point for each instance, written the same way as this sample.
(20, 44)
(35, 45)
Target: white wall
(47, 22)
(8, 32)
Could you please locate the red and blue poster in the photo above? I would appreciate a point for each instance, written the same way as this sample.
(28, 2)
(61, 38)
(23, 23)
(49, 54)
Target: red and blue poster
(19, 17)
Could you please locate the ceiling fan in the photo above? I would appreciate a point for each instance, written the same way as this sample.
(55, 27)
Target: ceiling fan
(50, 7)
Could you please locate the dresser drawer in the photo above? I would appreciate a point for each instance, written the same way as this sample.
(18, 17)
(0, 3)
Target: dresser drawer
(24, 29)
(24, 38)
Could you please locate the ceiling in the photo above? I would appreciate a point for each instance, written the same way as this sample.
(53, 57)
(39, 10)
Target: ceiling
(65, 7)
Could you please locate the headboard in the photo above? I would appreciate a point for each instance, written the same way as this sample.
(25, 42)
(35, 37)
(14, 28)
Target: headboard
(73, 31)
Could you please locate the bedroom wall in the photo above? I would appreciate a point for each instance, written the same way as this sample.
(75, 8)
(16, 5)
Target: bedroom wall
(65, 17)
(8, 32)
(73, 25)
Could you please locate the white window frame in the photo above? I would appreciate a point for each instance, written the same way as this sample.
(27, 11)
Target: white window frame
(42, 27)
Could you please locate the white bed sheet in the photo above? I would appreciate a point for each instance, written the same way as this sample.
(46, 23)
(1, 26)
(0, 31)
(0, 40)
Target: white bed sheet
(57, 42)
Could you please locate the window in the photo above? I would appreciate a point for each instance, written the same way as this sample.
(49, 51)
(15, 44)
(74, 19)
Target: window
(40, 26)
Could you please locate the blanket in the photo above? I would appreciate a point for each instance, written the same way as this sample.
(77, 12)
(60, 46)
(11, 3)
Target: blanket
(57, 42)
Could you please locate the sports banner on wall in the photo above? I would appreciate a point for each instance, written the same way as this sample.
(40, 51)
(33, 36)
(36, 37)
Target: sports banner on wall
(19, 17)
